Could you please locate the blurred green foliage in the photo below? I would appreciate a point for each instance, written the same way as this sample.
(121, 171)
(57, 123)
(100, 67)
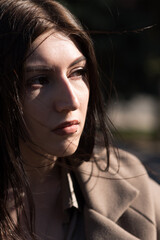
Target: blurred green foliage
(127, 53)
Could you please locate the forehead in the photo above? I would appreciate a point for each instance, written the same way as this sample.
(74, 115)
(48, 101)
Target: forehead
(52, 47)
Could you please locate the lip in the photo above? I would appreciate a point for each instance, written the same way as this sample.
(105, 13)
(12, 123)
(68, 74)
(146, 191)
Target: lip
(66, 128)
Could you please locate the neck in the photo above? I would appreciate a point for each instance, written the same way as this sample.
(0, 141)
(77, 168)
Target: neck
(39, 166)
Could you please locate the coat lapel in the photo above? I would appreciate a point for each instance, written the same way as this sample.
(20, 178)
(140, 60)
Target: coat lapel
(98, 227)
(107, 196)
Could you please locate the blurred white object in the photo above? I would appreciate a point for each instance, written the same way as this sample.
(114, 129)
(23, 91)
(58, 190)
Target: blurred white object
(139, 114)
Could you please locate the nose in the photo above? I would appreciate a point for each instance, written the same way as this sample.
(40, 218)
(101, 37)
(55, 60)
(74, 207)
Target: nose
(67, 96)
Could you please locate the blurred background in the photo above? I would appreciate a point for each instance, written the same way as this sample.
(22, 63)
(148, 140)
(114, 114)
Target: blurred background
(126, 36)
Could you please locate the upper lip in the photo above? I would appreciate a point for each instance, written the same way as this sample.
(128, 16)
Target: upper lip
(66, 124)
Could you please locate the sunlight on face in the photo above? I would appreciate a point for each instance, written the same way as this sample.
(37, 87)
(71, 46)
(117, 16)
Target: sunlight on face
(57, 94)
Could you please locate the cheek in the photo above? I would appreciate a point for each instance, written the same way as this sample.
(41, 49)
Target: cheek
(33, 113)
(85, 100)
(34, 105)
(83, 92)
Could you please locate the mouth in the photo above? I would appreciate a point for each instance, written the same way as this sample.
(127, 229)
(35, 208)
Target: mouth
(66, 128)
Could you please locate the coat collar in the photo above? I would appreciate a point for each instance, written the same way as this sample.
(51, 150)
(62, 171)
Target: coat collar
(102, 193)
(107, 196)
(98, 227)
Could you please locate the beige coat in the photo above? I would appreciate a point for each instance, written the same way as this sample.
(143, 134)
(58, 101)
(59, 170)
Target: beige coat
(119, 206)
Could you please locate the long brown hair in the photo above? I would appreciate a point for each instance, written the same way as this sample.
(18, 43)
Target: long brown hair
(21, 22)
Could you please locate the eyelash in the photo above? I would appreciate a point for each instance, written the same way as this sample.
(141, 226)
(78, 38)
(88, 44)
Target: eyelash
(37, 80)
(42, 80)
(82, 72)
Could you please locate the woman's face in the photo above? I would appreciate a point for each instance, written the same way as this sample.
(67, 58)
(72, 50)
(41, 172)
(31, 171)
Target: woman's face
(57, 94)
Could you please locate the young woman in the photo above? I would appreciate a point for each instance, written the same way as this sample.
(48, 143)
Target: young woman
(54, 182)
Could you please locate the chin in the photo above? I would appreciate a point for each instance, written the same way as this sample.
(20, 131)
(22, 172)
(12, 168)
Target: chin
(66, 152)
(60, 149)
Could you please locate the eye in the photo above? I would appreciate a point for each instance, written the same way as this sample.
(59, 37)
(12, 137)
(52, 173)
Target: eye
(80, 73)
(38, 81)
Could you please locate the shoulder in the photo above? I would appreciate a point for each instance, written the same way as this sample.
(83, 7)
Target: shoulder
(125, 165)
(121, 162)
(123, 193)
(129, 168)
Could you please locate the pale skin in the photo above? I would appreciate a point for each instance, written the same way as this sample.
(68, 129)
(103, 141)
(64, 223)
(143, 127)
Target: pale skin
(57, 92)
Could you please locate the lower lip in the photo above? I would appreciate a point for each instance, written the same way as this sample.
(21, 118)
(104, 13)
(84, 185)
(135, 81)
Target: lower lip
(66, 130)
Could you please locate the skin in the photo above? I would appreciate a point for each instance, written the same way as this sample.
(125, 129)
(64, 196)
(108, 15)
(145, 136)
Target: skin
(56, 91)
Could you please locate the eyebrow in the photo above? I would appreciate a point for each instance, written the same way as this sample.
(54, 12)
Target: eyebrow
(44, 68)
(80, 59)
(36, 68)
